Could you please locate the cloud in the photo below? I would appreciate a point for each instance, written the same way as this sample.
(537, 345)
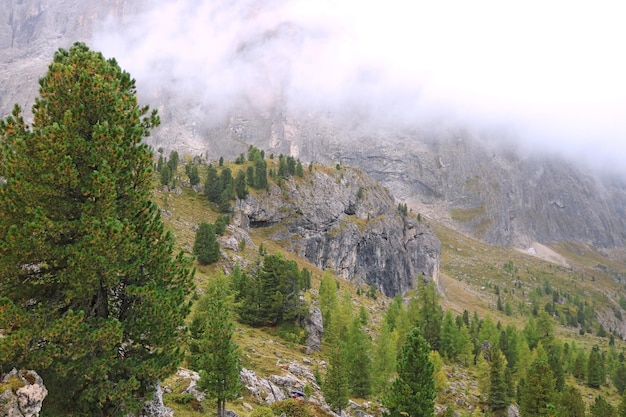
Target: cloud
(553, 71)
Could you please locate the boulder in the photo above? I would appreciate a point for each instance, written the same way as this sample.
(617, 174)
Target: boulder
(155, 407)
(21, 394)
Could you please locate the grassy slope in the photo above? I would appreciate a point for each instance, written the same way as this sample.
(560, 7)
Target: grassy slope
(470, 273)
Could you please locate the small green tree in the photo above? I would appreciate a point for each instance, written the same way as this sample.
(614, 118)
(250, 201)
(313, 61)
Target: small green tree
(601, 408)
(206, 247)
(412, 393)
(498, 389)
(538, 396)
(358, 346)
(595, 368)
(335, 386)
(571, 403)
(211, 350)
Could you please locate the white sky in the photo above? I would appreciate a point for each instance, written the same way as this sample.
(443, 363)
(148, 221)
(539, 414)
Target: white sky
(555, 71)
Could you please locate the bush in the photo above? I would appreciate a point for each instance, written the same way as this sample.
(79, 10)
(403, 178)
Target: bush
(292, 408)
(262, 412)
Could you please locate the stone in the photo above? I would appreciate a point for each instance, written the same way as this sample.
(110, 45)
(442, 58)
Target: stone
(314, 325)
(155, 407)
(25, 396)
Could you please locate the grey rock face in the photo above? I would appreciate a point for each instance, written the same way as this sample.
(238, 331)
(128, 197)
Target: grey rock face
(493, 192)
(345, 221)
(314, 326)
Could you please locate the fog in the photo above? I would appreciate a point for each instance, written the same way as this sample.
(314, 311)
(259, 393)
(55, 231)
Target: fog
(552, 72)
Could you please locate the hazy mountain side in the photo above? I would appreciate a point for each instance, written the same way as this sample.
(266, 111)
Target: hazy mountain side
(491, 191)
(345, 221)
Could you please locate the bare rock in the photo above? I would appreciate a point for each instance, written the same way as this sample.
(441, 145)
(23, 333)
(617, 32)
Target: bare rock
(23, 394)
(314, 325)
(155, 407)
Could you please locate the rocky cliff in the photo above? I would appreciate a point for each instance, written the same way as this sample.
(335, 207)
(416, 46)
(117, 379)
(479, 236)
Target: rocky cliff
(474, 181)
(344, 220)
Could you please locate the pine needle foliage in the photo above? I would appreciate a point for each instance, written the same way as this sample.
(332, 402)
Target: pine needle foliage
(90, 294)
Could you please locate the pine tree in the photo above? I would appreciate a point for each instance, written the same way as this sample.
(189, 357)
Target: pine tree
(358, 347)
(431, 316)
(206, 247)
(449, 336)
(212, 350)
(619, 380)
(384, 360)
(498, 389)
(412, 393)
(86, 268)
(595, 368)
(335, 386)
(538, 396)
(601, 408)
(571, 403)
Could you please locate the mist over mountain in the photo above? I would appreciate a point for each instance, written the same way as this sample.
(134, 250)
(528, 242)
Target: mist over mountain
(464, 134)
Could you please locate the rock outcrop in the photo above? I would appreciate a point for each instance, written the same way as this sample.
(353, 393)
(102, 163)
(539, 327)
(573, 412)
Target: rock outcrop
(21, 394)
(314, 325)
(345, 221)
(482, 186)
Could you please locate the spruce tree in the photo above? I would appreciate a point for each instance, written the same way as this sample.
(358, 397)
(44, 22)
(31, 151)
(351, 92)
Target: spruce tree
(212, 351)
(571, 403)
(538, 394)
(412, 393)
(91, 296)
(595, 368)
(601, 408)
(498, 388)
(206, 247)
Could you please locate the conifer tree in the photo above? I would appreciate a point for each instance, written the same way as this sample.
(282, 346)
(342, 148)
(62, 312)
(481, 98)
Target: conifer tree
(358, 346)
(212, 350)
(538, 396)
(206, 247)
(601, 408)
(91, 296)
(595, 368)
(571, 403)
(431, 316)
(498, 389)
(335, 386)
(384, 360)
(412, 393)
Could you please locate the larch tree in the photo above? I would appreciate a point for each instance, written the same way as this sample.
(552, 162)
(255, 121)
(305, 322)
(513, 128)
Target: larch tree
(571, 403)
(212, 350)
(335, 387)
(412, 393)
(90, 294)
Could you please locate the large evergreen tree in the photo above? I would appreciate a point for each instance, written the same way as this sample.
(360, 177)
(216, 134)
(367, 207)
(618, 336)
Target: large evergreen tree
(412, 393)
(212, 350)
(90, 295)
(601, 408)
(538, 395)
